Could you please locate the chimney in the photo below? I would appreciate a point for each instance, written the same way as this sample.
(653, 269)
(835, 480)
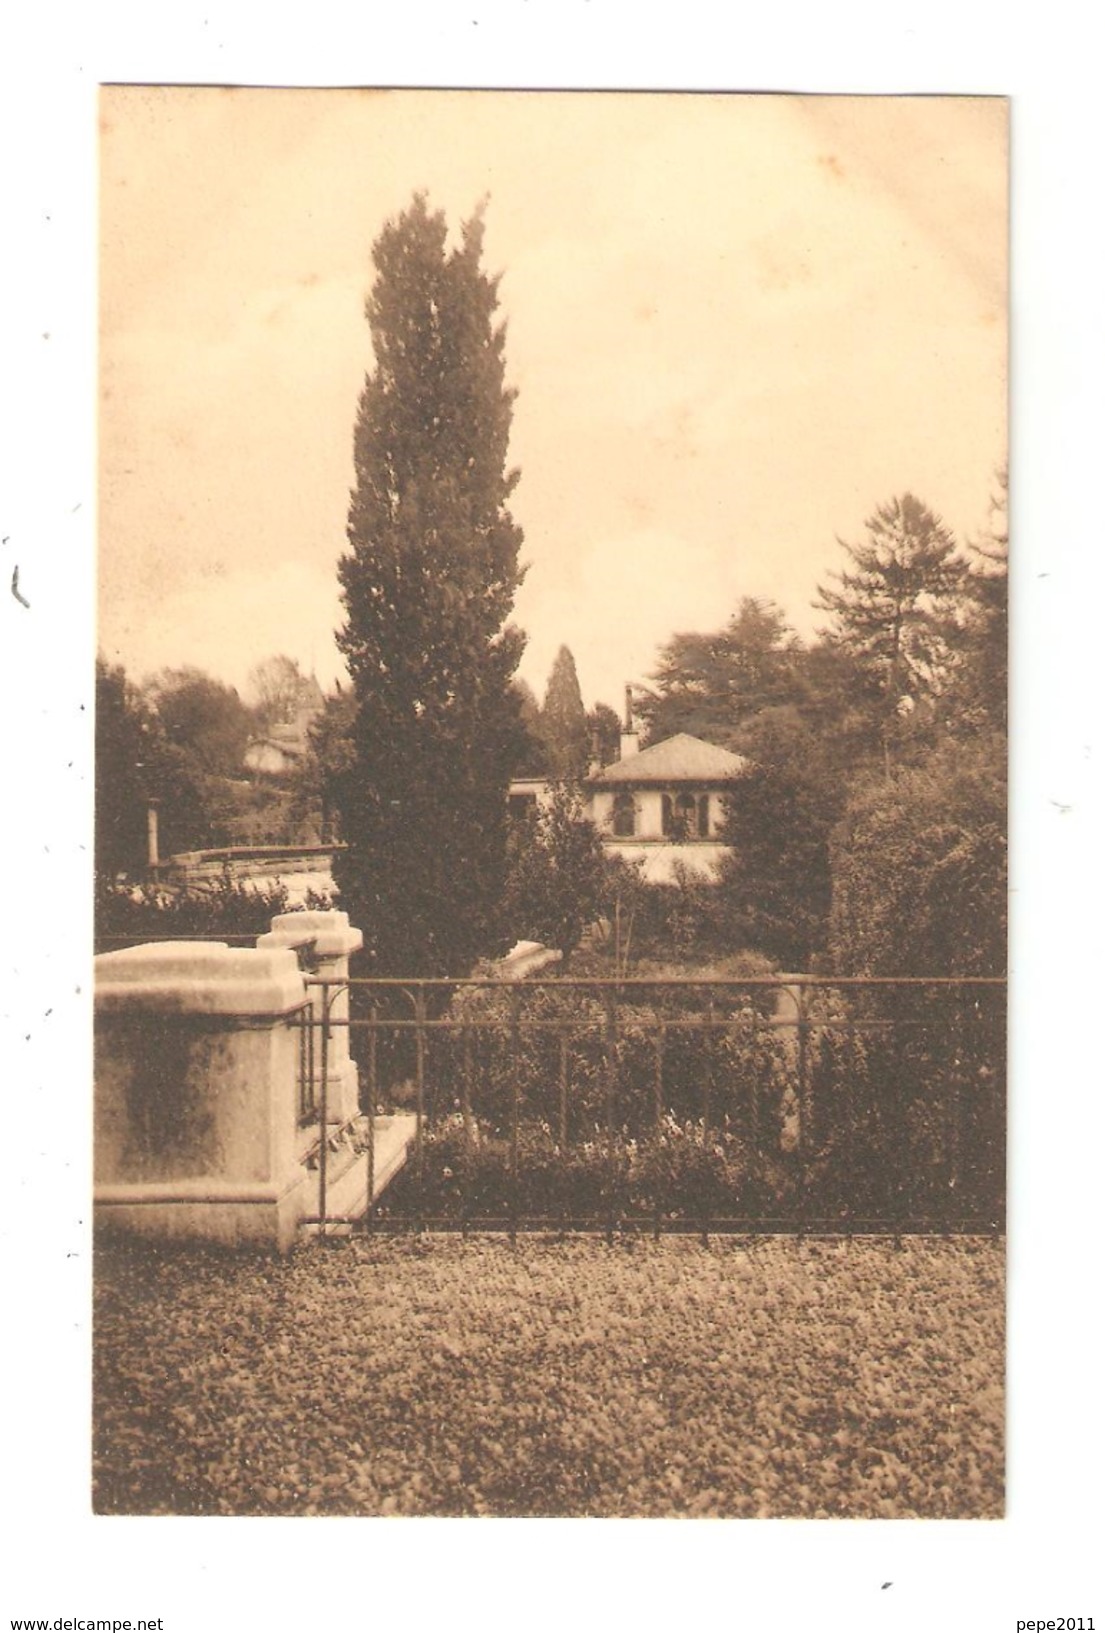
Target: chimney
(630, 741)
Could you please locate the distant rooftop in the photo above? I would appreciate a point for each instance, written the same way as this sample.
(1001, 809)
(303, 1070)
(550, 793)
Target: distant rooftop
(681, 758)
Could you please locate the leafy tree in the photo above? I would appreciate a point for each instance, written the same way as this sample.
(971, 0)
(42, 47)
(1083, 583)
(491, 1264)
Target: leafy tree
(534, 755)
(136, 763)
(895, 610)
(203, 717)
(839, 700)
(123, 729)
(428, 584)
(557, 872)
(330, 761)
(276, 683)
(604, 730)
(775, 883)
(919, 869)
(710, 684)
(564, 719)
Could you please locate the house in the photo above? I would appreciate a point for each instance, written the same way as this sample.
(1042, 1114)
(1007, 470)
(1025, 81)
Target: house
(661, 806)
(282, 746)
(665, 804)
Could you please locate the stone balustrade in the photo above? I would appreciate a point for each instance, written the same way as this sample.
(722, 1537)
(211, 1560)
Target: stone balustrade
(333, 939)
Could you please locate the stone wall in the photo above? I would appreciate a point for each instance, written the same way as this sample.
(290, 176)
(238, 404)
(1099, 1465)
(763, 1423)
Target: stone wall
(201, 1083)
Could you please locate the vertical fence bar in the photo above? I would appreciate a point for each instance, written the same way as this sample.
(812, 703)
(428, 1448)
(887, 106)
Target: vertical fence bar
(658, 1120)
(468, 1077)
(324, 1110)
(951, 1126)
(805, 1110)
(562, 1130)
(373, 1101)
(847, 1160)
(997, 1102)
(707, 1107)
(708, 1075)
(420, 1103)
(515, 1098)
(754, 1120)
(609, 1092)
(310, 1089)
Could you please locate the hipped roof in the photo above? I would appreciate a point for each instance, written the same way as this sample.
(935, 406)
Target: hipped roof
(681, 758)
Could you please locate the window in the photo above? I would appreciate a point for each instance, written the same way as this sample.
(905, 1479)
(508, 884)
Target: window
(685, 816)
(625, 816)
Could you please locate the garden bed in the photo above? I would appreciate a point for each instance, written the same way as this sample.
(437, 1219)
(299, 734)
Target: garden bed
(430, 1375)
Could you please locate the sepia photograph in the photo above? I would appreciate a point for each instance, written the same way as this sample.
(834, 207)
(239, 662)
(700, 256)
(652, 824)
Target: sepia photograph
(551, 805)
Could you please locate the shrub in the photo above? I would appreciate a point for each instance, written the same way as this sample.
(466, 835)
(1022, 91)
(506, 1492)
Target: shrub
(674, 1174)
(230, 907)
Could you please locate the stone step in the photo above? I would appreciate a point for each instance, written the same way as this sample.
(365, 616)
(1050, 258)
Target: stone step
(347, 1174)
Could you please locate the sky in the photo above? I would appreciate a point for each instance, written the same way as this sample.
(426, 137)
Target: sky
(736, 325)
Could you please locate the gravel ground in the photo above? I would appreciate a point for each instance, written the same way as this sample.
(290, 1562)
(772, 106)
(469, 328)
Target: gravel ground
(772, 1377)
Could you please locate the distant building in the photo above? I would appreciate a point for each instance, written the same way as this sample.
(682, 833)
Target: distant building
(662, 806)
(665, 804)
(282, 746)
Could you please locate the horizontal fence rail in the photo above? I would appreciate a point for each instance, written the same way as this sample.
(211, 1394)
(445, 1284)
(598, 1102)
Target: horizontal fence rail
(793, 1103)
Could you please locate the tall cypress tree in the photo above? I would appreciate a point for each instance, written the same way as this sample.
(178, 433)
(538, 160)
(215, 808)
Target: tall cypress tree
(564, 719)
(428, 584)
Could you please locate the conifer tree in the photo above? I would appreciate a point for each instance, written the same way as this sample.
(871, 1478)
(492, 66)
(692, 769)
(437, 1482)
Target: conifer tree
(428, 584)
(896, 609)
(564, 719)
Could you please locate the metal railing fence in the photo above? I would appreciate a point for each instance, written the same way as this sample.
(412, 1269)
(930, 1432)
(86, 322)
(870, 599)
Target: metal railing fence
(769, 1103)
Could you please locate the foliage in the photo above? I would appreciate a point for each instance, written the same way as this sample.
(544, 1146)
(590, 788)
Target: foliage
(896, 608)
(265, 812)
(533, 757)
(123, 731)
(919, 869)
(202, 717)
(324, 779)
(136, 764)
(709, 684)
(509, 1043)
(683, 923)
(276, 683)
(883, 1104)
(556, 872)
(229, 907)
(858, 1379)
(563, 723)
(428, 584)
(604, 732)
(674, 1172)
(978, 701)
(774, 885)
(905, 1109)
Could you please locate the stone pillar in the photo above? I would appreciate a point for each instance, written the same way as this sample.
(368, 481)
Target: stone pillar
(197, 1055)
(327, 960)
(153, 855)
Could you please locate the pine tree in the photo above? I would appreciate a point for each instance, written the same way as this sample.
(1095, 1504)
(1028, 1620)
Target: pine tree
(982, 702)
(428, 584)
(897, 611)
(564, 719)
